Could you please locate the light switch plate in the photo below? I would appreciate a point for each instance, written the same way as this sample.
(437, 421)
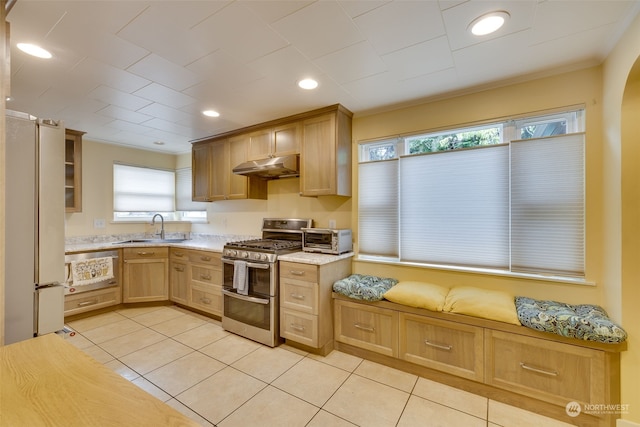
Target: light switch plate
(332, 223)
(99, 223)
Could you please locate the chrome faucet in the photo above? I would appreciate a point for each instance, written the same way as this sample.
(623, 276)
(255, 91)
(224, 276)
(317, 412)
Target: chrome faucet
(153, 222)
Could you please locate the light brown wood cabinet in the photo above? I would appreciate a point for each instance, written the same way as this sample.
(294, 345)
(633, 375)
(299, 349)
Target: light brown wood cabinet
(538, 371)
(212, 168)
(273, 142)
(92, 300)
(73, 170)
(445, 346)
(321, 137)
(305, 302)
(198, 284)
(145, 274)
(325, 154)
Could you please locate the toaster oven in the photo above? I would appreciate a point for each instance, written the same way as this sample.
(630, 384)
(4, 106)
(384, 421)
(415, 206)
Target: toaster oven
(327, 240)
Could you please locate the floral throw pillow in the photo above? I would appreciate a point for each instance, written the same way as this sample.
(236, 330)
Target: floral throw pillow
(364, 287)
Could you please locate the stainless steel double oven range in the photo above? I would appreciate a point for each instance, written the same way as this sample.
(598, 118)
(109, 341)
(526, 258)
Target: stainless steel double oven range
(251, 279)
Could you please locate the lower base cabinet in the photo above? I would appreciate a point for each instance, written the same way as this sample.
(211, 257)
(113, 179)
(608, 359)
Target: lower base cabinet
(488, 357)
(196, 280)
(145, 274)
(92, 300)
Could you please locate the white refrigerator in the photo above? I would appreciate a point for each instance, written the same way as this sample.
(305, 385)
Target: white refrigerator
(34, 228)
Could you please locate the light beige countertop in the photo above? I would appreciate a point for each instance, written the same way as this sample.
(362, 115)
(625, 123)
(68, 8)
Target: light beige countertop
(203, 245)
(48, 381)
(313, 258)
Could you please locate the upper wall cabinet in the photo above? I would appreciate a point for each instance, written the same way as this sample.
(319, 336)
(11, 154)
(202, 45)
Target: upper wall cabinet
(322, 138)
(273, 142)
(325, 156)
(73, 170)
(213, 179)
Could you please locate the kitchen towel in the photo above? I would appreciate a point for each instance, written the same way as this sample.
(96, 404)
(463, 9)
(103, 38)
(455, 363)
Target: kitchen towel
(92, 270)
(240, 277)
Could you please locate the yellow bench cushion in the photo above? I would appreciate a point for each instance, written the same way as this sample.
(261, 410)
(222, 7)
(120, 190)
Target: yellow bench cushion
(494, 305)
(418, 294)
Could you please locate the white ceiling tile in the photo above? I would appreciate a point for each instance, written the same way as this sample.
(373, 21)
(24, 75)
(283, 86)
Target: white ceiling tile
(128, 127)
(164, 112)
(288, 61)
(423, 58)
(355, 8)
(253, 39)
(224, 70)
(271, 11)
(397, 25)
(319, 29)
(164, 95)
(171, 127)
(158, 69)
(123, 114)
(109, 95)
(108, 75)
(458, 18)
(352, 63)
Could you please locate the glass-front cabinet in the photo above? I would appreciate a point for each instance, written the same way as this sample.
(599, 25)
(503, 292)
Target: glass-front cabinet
(73, 170)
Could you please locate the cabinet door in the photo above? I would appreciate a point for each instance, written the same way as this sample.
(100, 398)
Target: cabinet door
(260, 144)
(318, 156)
(286, 139)
(237, 153)
(179, 282)
(201, 172)
(146, 280)
(73, 171)
(219, 183)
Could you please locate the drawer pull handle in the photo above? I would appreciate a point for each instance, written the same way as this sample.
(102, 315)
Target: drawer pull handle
(298, 328)
(538, 370)
(296, 272)
(178, 254)
(205, 258)
(297, 296)
(364, 328)
(205, 300)
(205, 277)
(441, 347)
(146, 253)
(180, 269)
(86, 303)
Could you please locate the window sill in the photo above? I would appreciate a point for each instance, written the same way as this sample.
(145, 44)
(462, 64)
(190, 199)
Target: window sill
(475, 270)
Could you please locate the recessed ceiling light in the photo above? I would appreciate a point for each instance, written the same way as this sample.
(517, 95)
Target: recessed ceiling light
(488, 23)
(308, 84)
(211, 113)
(33, 50)
(158, 142)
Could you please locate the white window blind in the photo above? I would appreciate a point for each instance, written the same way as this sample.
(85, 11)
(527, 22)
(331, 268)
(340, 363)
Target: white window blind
(455, 207)
(138, 189)
(378, 208)
(548, 205)
(184, 191)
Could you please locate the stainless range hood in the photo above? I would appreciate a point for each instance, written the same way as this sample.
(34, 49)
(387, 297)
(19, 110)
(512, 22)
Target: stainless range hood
(271, 168)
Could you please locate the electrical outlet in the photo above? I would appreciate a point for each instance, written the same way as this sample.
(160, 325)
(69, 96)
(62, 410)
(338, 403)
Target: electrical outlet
(332, 223)
(99, 223)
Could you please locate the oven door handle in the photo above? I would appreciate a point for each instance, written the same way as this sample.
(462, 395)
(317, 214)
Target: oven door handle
(249, 264)
(245, 298)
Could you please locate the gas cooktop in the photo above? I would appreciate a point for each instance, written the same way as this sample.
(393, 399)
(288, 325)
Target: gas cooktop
(267, 245)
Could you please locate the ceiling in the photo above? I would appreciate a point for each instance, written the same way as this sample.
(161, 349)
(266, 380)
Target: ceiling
(139, 73)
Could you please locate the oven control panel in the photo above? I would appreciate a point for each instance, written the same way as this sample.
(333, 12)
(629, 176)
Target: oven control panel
(249, 255)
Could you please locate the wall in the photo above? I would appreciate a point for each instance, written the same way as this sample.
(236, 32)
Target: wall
(97, 187)
(621, 162)
(569, 89)
(4, 74)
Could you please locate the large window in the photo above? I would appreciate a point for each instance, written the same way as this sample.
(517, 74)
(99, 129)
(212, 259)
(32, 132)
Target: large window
(505, 196)
(140, 192)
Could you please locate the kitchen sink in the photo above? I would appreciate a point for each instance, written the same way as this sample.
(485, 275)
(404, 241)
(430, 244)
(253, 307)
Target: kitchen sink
(150, 241)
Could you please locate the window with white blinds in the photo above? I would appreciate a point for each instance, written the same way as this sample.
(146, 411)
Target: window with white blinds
(455, 207)
(139, 189)
(516, 206)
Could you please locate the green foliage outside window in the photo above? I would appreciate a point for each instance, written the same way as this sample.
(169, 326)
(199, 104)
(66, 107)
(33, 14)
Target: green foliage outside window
(455, 141)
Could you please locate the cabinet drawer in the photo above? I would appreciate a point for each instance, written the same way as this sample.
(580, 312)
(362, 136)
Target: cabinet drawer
(147, 252)
(368, 327)
(207, 299)
(555, 372)
(205, 275)
(445, 346)
(81, 303)
(298, 271)
(299, 327)
(179, 254)
(208, 258)
(299, 295)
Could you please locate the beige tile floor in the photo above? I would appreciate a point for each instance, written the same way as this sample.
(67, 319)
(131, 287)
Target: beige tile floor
(217, 378)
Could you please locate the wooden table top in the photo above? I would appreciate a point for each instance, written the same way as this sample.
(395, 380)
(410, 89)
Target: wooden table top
(48, 381)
